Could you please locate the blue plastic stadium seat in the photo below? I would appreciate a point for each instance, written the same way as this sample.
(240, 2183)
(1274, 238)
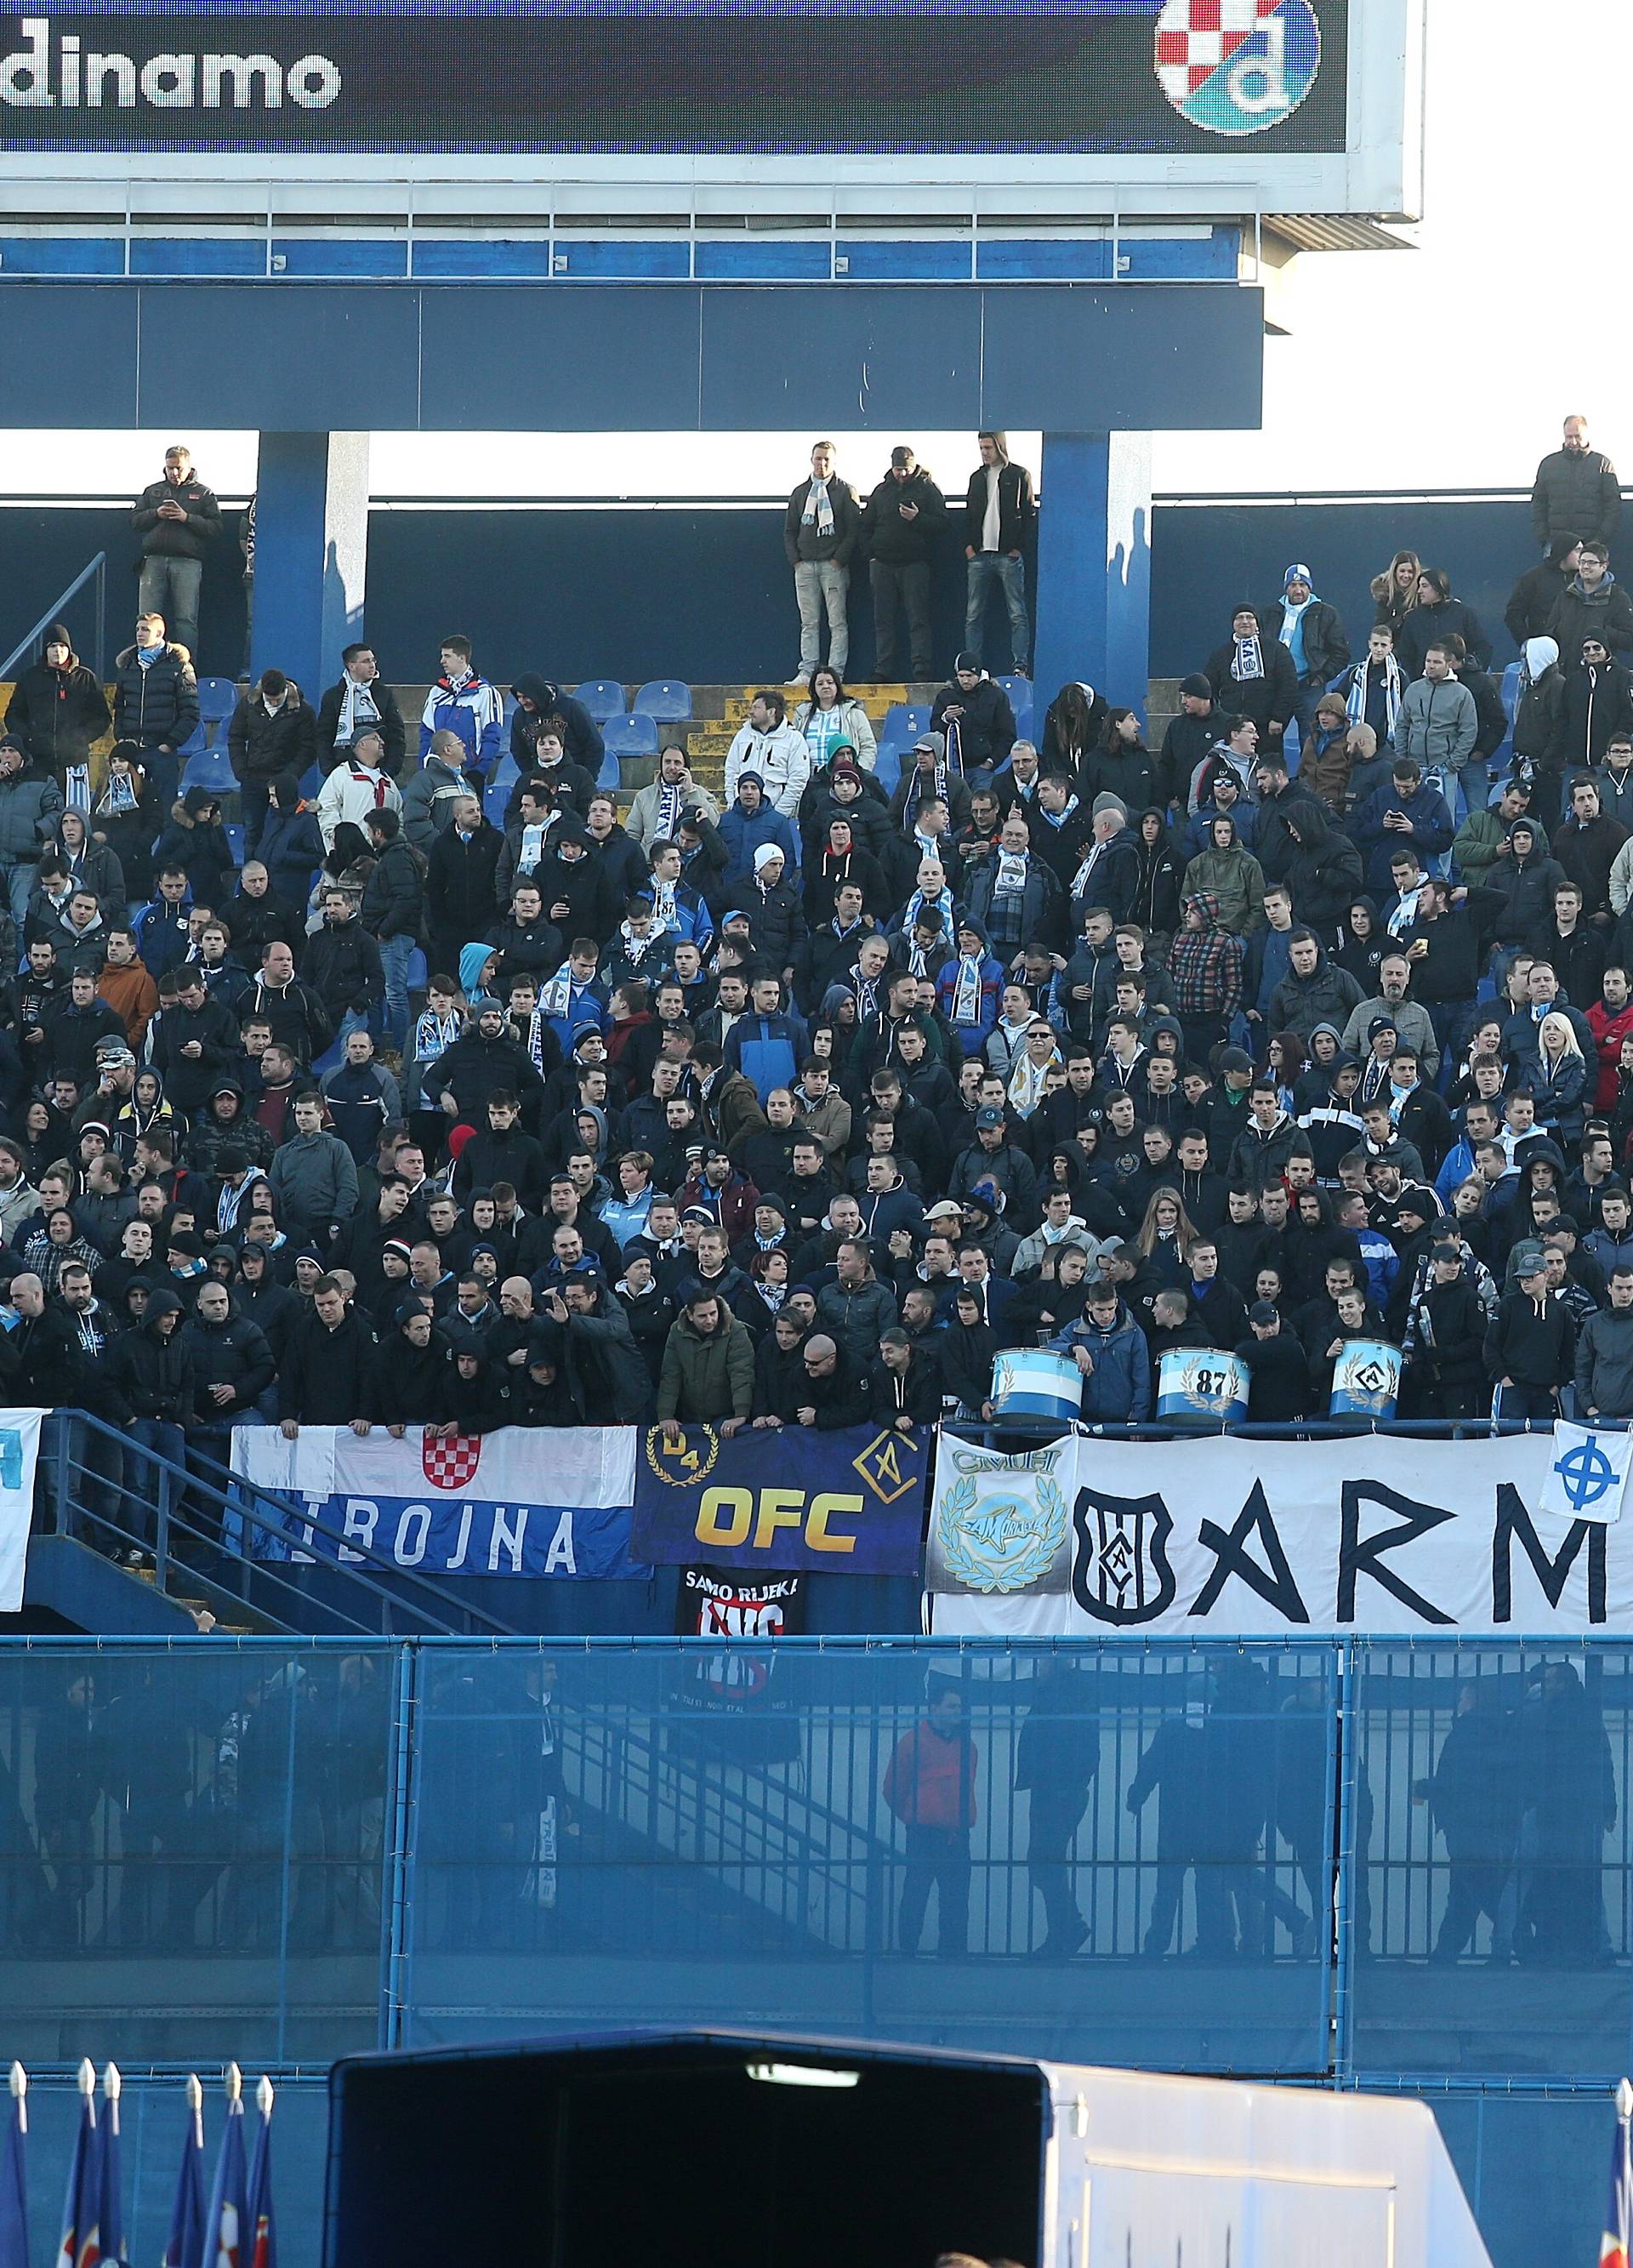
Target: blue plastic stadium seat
(197, 740)
(887, 771)
(664, 699)
(904, 721)
(609, 779)
(209, 767)
(634, 735)
(495, 796)
(217, 698)
(1020, 700)
(234, 833)
(312, 781)
(415, 975)
(602, 696)
(1511, 690)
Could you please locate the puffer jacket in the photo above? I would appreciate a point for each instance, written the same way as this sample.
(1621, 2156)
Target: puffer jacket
(428, 801)
(29, 805)
(1327, 995)
(156, 707)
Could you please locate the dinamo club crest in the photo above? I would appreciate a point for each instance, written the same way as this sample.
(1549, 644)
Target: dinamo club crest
(1237, 66)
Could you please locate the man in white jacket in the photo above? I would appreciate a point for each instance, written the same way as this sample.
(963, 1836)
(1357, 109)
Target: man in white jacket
(768, 744)
(358, 785)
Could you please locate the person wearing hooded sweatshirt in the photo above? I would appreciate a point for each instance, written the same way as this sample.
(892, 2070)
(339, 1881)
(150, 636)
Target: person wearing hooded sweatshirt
(999, 511)
(1322, 869)
(1253, 675)
(291, 843)
(1230, 876)
(539, 697)
(152, 1367)
(56, 710)
(1527, 880)
(1310, 629)
(969, 990)
(1204, 965)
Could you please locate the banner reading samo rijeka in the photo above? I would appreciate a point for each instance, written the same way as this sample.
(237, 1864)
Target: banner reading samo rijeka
(518, 1502)
(1375, 1535)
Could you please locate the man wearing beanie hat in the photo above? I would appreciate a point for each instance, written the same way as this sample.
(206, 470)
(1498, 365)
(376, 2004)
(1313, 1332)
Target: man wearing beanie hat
(1252, 674)
(751, 820)
(999, 511)
(57, 708)
(903, 521)
(1191, 734)
(1309, 628)
(770, 747)
(974, 712)
(1535, 596)
(776, 920)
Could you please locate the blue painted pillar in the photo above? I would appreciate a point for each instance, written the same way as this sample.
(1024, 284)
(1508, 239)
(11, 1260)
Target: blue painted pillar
(1093, 596)
(311, 540)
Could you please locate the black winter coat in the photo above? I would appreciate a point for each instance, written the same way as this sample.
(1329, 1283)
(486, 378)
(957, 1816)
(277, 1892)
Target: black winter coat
(394, 897)
(156, 707)
(325, 1378)
(341, 964)
(987, 727)
(582, 745)
(904, 542)
(1270, 699)
(176, 539)
(458, 882)
(56, 714)
(154, 1374)
(235, 1353)
(261, 745)
(1426, 626)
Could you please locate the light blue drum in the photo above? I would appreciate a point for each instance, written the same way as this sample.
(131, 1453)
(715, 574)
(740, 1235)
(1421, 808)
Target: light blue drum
(1201, 1382)
(1366, 1379)
(1032, 1382)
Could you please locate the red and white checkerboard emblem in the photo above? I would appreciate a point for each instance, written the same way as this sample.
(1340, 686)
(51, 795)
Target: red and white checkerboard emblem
(1237, 66)
(450, 1460)
(1193, 37)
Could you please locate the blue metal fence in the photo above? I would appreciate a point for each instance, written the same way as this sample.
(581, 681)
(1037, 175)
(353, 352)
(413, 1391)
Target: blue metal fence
(1384, 1864)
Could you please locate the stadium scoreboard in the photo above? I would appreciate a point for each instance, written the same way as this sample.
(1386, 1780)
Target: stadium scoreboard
(1223, 89)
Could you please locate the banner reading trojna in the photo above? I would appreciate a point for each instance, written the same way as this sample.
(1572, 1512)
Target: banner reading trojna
(1373, 1535)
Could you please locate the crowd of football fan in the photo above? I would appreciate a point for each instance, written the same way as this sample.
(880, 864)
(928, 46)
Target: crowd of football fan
(1307, 1026)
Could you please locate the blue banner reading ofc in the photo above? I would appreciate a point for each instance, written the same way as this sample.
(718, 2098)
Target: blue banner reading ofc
(847, 1502)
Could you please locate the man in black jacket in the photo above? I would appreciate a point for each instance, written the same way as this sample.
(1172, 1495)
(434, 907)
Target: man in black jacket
(1575, 488)
(58, 708)
(177, 518)
(999, 511)
(902, 520)
(152, 1368)
(394, 913)
(273, 731)
(156, 702)
(191, 1043)
(325, 1375)
(341, 965)
(361, 703)
(458, 882)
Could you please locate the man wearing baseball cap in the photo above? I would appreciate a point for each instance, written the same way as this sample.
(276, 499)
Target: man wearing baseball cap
(1530, 1342)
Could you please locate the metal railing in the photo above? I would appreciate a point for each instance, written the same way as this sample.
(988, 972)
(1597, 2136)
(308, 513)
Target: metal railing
(94, 571)
(200, 1524)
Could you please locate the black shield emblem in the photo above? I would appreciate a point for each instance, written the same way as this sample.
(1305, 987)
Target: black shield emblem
(1120, 1572)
